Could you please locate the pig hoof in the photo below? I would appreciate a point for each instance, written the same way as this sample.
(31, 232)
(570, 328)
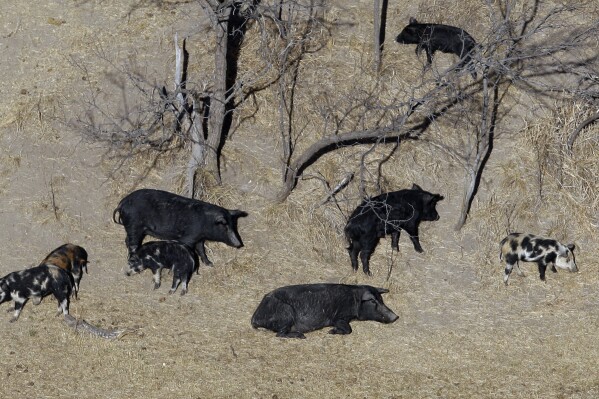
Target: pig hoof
(338, 331)
(170, 292)
(183, 292)
(156, 286)
(13, 319)
(419, 250)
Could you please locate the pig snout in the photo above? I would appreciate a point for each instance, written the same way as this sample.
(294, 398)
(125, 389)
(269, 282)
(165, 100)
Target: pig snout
(388, 316)
(235, 240)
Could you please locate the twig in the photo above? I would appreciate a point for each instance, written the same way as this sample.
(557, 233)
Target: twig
(592, 119)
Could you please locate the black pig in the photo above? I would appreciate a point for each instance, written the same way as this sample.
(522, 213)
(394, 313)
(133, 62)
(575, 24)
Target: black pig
(158, 255)
(170, 216)
(36, 283)
(388, 213)
(437, 37)
(294, 310)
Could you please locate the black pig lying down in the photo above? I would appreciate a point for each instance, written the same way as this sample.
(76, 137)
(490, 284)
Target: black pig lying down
(71, 258)
(385, 214)
(158, 255)
(438, 37)
(296, 309)
(169, 216)
(36, 283)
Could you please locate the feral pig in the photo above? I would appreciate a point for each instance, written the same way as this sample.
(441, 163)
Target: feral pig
(71, 258)
(294, 310)
(530, 248)
(169, 216)
(36, 283)
(158, 255)
(438, 37)
(385, 214)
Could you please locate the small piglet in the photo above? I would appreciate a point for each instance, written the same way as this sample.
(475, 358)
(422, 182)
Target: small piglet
(293, 310)
(158, 255)
(36, 283)
(531, 248)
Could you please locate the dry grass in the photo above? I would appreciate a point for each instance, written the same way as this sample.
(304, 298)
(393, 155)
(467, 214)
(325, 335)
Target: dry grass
(461, 333)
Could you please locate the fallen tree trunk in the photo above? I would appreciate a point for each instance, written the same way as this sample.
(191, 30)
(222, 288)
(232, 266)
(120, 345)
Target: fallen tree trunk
(82, 325)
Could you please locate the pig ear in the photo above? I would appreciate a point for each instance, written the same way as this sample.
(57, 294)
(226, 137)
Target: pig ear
(236, 213)
(382, 290)
(367, 296)
(438, 197)
(416, 187)
(413, 21)
(571, 247)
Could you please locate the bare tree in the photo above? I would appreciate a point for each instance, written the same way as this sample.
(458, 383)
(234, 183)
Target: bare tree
(530, 48)
(380, 24)
(156, 121)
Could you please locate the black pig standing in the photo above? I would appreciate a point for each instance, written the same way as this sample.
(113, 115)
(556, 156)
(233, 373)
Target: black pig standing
(296, 309)
(170, 216)
(388, 213)
(158, 255)
(438, 37)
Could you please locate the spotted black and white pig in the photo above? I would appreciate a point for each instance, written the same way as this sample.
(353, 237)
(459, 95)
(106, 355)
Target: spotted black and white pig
(296, 309)
(71, 258)
(36, 283)
(158, 255)
(438, 37)
(169, 216)
(530, 248)
(385, 214)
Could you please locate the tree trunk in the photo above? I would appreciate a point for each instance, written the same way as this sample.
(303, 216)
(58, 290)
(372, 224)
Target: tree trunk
(219, 97)
(380, 24)
(377, 35)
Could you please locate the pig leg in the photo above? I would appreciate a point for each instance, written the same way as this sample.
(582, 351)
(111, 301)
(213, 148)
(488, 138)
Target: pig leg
(365, 257)
(354, 250)
(341, 327)
(177, 278)
(19, 303)
(202, 253)
(36, 300)
(429, 56)
(185, 280)
(518, 270)
(510, 260)
(134, 239)
(413, 232)
(276, 315)
(63, 303)
(183, 287)
(157, 277)
(176, 282)
(542, 268)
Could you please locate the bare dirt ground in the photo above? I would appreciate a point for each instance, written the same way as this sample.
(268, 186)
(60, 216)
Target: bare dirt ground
(461, 332)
